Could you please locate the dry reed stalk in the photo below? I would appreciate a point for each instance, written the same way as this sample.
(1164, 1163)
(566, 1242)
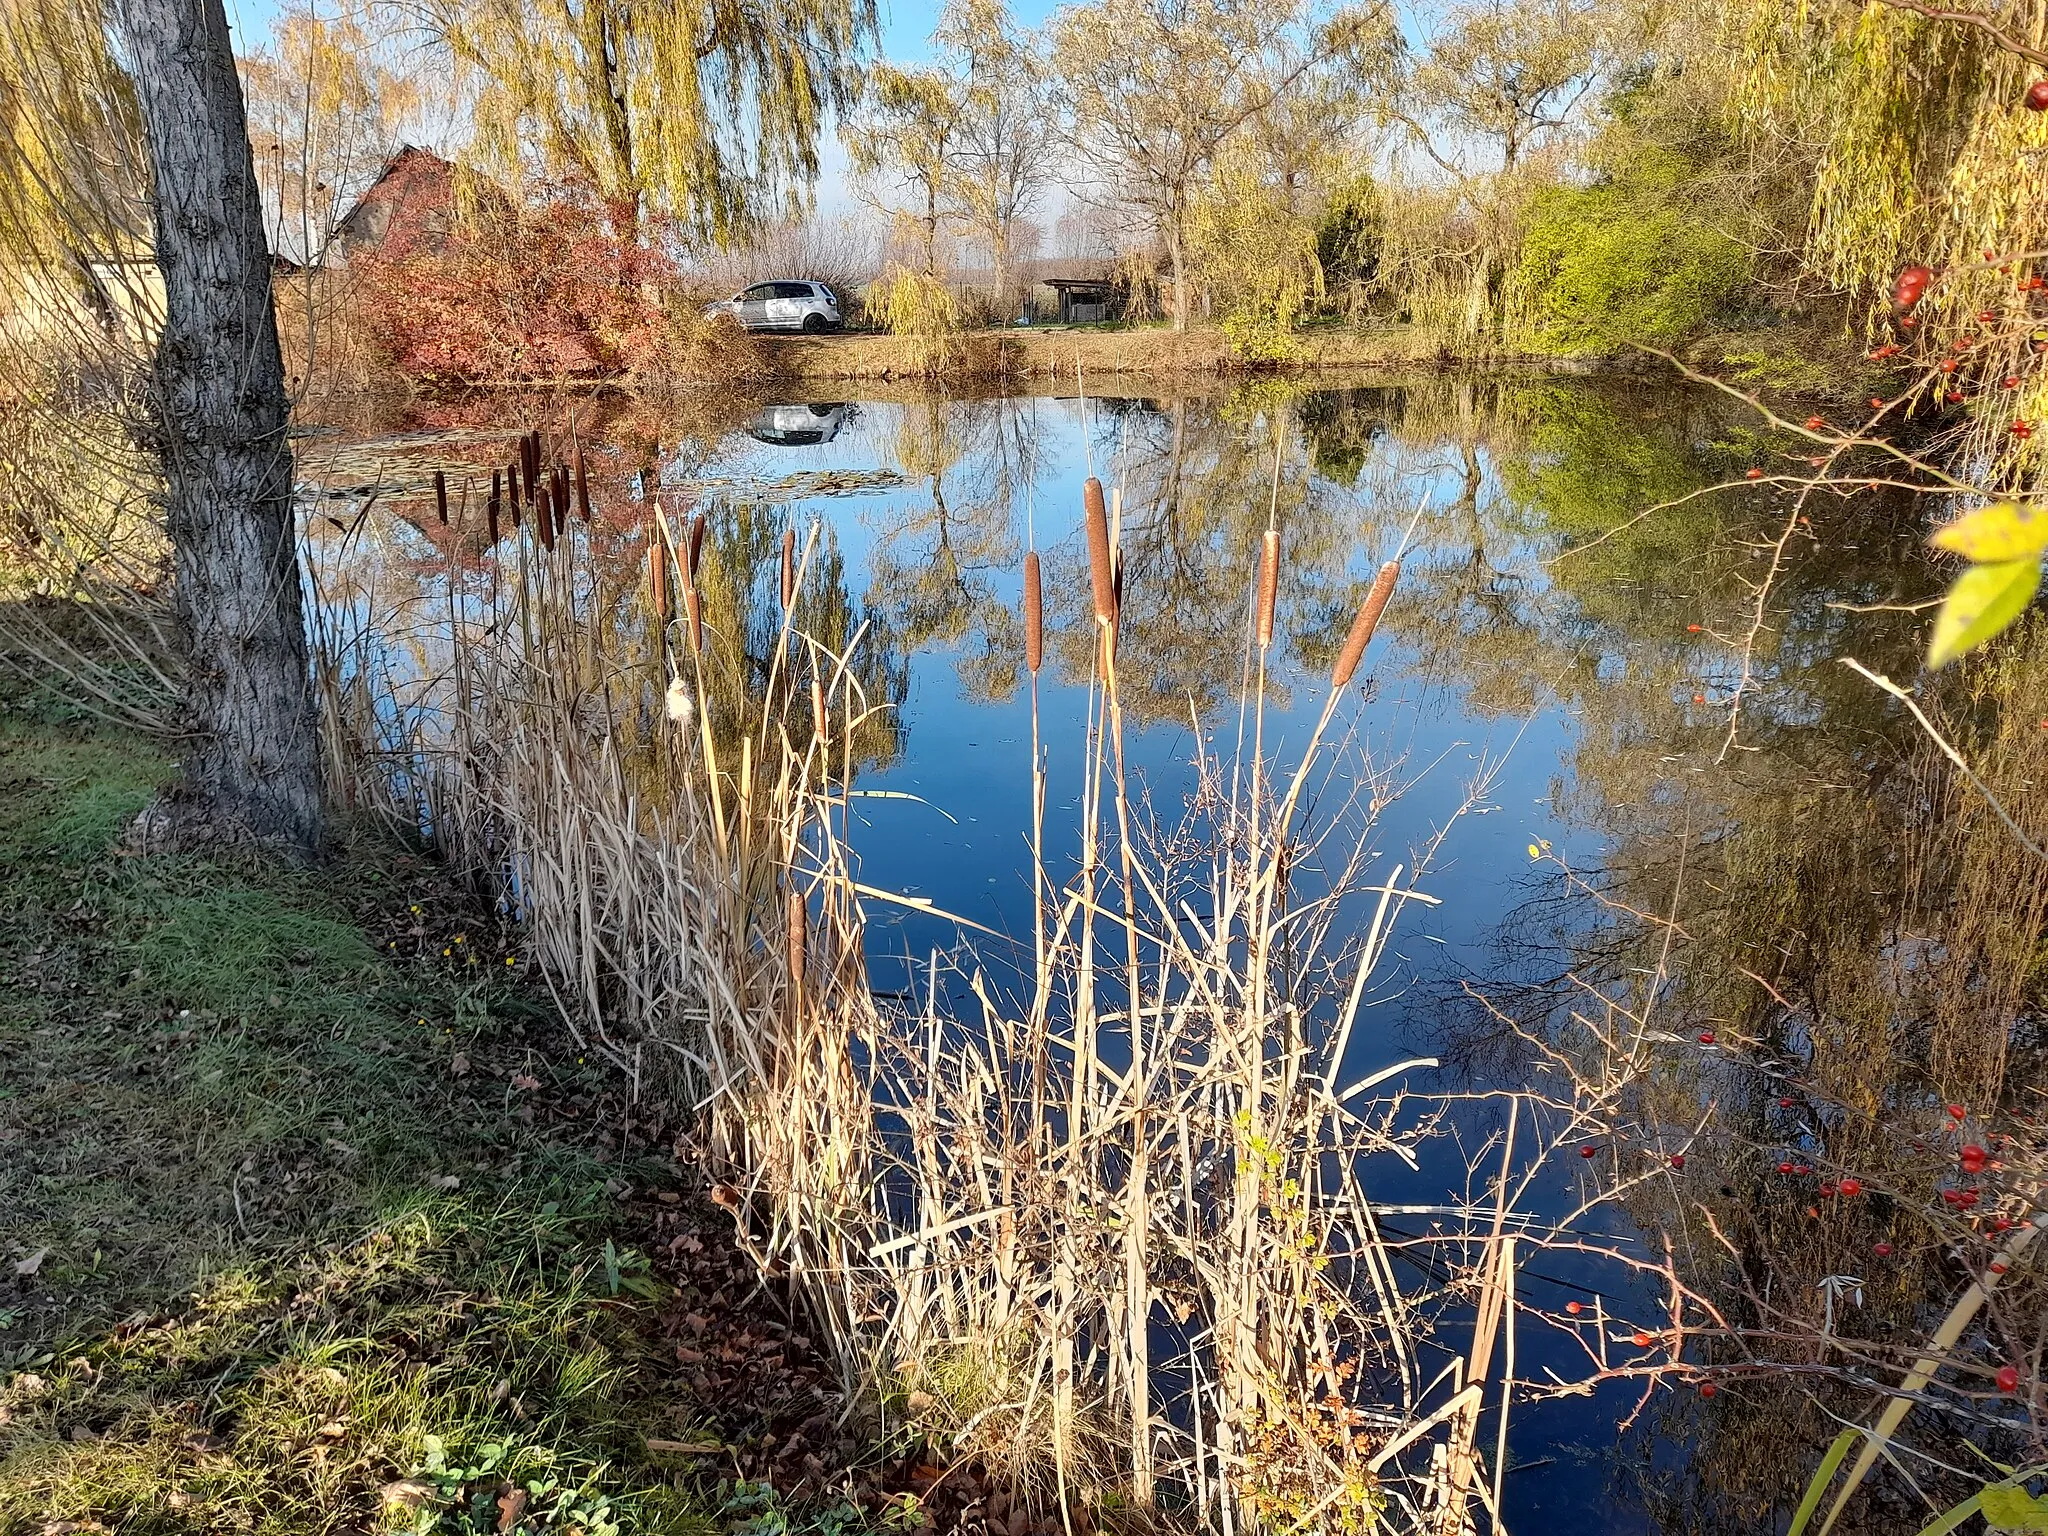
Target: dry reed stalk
(1034, 614)
(441, 497)
(657, 580)
(799, 940)
(1365, 623)
(1100, 571)
(1269, 585)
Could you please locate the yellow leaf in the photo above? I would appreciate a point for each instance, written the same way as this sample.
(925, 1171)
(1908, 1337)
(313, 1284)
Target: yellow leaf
(1983, 601)
(2014, 1509)
(1995, 534)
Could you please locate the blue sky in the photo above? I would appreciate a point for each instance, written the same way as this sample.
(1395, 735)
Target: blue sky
(906, 27)
(906, 38)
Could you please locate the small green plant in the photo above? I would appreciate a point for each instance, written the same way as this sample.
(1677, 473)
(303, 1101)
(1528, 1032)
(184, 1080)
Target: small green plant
(499, 1487)
(757, 1509)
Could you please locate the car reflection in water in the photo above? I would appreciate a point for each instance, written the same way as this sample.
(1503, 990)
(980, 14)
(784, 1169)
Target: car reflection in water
(797, 426)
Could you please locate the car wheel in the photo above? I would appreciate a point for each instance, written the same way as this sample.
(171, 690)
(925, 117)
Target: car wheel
(813, 323)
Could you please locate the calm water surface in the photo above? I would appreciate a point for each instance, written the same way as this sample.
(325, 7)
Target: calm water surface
(1554, 671)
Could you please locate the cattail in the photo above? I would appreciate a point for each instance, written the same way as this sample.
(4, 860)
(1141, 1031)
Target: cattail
(582, 487)
(799, 936)
(788, 569)
(1034, 614)
(1269, 585)
(491, 508)
(441, 497)
(544, 516)
(1099, 568)
(529, 463)
(696, 543)
(693, 608)
(558, 482)
(512, 485)
(818, 709)
(657, 581)
(1367, 621)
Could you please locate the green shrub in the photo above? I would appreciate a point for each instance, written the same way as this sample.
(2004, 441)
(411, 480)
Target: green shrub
(1629, 259)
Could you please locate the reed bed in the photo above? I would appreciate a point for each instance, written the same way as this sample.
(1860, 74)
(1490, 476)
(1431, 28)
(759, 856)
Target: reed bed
(1109, 1231)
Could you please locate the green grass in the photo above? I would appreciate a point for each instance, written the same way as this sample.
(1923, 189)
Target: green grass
(287, 1241)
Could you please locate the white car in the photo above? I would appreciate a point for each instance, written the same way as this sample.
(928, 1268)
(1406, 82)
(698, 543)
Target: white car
(782, 306)
(797, 426)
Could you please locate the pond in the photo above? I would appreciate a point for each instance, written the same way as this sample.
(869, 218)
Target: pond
(1589, 587)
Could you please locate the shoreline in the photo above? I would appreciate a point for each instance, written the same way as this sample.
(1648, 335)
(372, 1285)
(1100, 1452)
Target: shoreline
(1148, 351)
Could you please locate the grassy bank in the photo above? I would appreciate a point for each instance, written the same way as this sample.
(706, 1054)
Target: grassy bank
(316, 1219)
(1052, 354)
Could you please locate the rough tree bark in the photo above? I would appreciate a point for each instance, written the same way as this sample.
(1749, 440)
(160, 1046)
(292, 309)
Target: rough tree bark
(251, 760)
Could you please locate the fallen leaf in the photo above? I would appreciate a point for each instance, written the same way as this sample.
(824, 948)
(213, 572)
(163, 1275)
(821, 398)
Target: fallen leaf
(32, 1263)
(459, 1067)
(685, 1447)
(511, 1506)
(410, 1492)
(521, 1080)
(444, 1181)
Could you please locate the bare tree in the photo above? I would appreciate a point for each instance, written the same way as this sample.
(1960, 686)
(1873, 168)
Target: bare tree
(1510, 71)
(218, 416)
(1007, 136)
(908, 130)
(1154, 88)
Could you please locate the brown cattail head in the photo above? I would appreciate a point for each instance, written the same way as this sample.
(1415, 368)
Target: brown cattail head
(512, 483)
(657, 581)
(529, 463)
(696, 543)
(1099, 569)
(582, 487)
(1269, 585)
(1034, 613)
(818, 709)
(561, 485)
(799, 945)
(544, 517)
(693, 607)
(1367, 621)
(788, 569)
(441, 496)
(492, 506)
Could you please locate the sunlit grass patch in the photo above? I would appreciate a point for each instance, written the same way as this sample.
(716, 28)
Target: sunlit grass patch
(462, 1350)
(285, 1248)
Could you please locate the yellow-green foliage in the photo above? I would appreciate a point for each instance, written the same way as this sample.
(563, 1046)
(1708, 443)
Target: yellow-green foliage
(923, 311)
(1257, 253)
(1923, 151)
(1628, 259)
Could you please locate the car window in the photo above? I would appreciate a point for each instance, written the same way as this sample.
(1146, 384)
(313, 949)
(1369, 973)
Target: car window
(792, 290)
(758, 292)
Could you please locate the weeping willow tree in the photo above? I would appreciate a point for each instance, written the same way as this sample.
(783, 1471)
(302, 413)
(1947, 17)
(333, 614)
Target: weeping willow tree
(705, 111)
(1922, 148)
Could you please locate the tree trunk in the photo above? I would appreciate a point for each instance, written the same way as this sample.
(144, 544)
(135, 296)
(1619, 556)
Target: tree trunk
(999, 251)
(251, 762)
(1180, 284)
